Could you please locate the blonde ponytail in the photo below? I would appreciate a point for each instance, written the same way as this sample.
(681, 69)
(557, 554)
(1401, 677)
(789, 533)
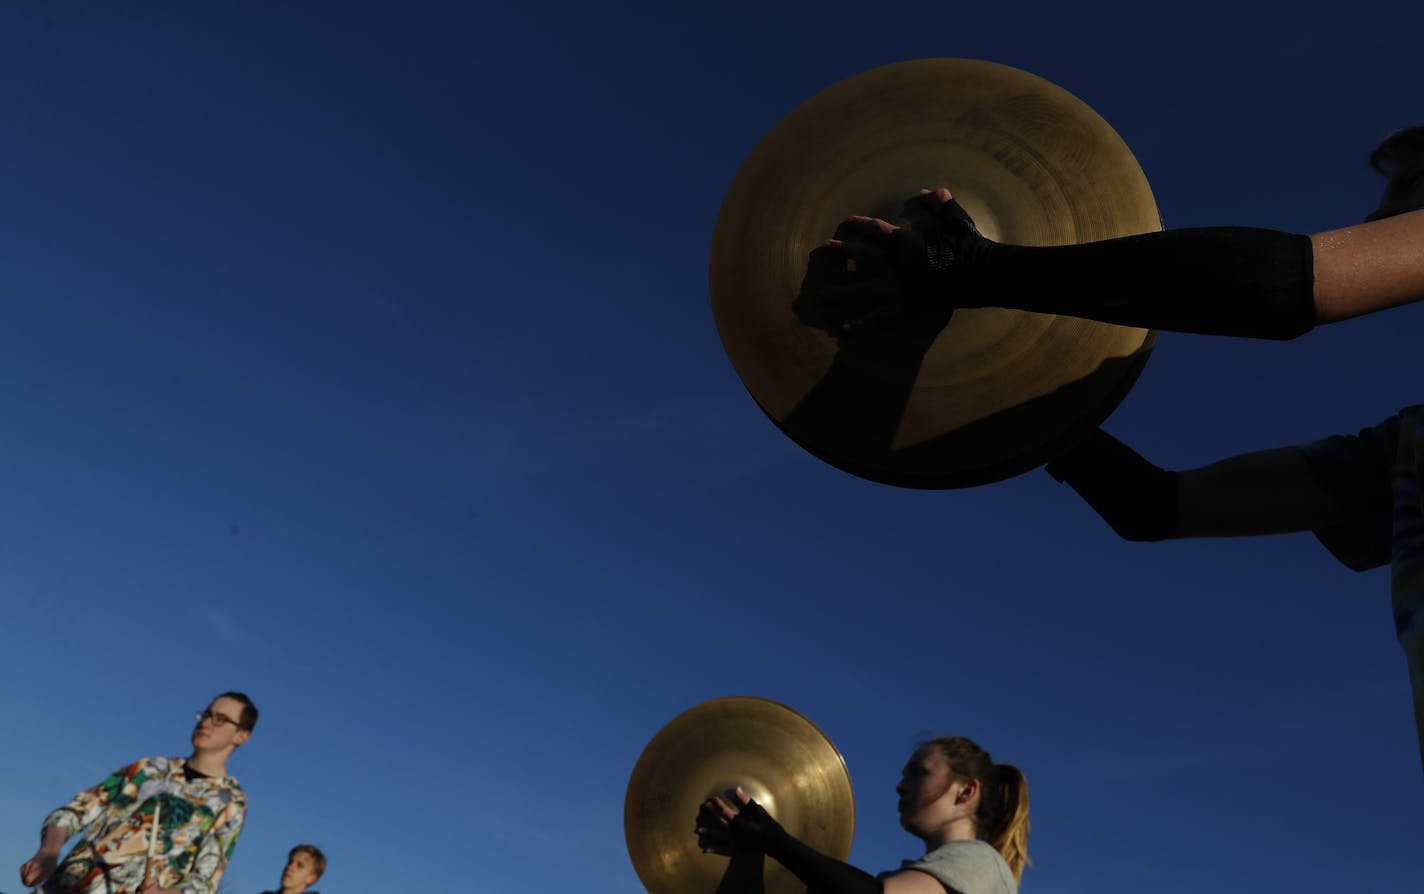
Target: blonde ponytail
(1002, 820)
(1005, 823)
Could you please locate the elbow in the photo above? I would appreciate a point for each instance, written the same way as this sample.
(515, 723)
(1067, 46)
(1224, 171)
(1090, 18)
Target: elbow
(1145, 528)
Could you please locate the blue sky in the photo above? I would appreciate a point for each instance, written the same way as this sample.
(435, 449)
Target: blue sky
(361, 358)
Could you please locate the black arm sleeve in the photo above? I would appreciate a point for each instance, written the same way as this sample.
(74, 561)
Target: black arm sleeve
(1214, 280)
(823, 874)
(1138, 499)
(743, 875)
(755, 829)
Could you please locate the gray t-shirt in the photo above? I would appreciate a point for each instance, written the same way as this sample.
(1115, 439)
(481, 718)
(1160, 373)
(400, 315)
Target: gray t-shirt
(967, 867)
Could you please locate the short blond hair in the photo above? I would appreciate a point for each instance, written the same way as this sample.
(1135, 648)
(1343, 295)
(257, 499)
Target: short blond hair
(311, 850)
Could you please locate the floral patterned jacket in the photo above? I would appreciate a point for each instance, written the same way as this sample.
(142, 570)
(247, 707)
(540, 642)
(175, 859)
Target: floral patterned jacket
(198, 823)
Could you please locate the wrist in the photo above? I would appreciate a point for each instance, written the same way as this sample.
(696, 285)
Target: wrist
(52, 838)
(754, 830)
(776, 841)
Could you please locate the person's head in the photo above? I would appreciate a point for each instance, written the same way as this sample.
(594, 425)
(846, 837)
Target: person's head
(305, 864)
(225, 724)
(1400, 158)
(952, 789)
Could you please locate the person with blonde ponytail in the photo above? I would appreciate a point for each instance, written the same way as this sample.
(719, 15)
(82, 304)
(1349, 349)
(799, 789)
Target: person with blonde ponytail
(971, 814)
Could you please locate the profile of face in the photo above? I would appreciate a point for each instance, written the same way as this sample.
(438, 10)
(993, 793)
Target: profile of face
(300, 873)
(218, 726)
(931, 796)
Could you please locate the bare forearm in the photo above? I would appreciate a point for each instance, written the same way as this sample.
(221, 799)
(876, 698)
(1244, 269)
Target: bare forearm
(52, 840)
(1368, 267)
(39, 867)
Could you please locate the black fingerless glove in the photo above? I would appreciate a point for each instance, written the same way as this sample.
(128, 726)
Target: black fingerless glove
(754, 829)
(932, 263)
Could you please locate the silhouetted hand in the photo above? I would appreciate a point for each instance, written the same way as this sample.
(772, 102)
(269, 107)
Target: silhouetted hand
(895, 268)
(746, 823)
(714, 820)
(753, 829)
(713, 837)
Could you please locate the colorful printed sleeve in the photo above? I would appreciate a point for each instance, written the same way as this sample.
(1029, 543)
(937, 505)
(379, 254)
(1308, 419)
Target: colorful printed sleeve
(1359, 470)
(118, 790)
(215, 850)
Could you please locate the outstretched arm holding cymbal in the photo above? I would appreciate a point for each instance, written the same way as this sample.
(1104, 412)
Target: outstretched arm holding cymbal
(1216, 280)
(1213, 281)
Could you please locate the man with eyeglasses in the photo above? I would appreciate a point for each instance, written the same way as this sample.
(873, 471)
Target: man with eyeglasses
(158, 826)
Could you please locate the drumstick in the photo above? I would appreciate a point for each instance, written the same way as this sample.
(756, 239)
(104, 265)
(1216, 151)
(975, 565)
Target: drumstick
(152, 841)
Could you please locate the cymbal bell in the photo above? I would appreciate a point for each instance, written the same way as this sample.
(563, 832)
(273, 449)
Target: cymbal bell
(775, 754)
(996, 392)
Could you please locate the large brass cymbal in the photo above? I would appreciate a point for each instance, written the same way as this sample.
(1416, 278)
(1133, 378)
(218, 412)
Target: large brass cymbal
(998, 391)
(778, 756)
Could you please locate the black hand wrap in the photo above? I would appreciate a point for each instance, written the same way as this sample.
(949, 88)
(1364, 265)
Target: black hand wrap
(1138, 499)
(1215, 281)
(753, 829)
(931, 263)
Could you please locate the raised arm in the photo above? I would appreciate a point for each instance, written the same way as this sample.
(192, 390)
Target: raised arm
(1235, 281)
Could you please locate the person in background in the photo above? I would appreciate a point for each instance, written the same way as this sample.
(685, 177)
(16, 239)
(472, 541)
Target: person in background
(158, 826)
(305, 865)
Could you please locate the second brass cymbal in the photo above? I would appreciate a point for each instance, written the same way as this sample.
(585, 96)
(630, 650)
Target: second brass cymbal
(776, 755)
(998, 391)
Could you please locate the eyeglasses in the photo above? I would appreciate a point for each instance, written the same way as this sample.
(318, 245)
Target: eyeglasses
(217, 719)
